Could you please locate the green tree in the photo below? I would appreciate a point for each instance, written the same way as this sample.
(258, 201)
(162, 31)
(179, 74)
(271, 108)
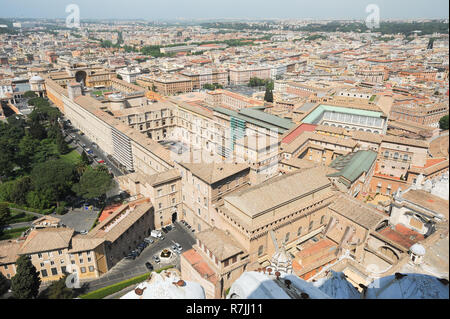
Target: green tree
(5, 215)
(93, 183)
(27, 149)
(59, 290)
(29, 95)
(15, 191)
(443, 122)
(37, 130)
(85, 158)
(53, 179)
(61, 144)
(25, 284)
(4, 284)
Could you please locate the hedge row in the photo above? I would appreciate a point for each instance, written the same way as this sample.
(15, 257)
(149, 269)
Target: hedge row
(34, 210)
(106, 291)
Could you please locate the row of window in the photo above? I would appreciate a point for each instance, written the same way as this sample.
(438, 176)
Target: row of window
(299, 232)
(54, 270)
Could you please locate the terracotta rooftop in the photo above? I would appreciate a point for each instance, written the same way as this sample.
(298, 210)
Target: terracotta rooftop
(201, 266)
(402, 235)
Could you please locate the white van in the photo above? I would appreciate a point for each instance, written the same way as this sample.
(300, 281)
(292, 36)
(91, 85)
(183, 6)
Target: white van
(156, 233)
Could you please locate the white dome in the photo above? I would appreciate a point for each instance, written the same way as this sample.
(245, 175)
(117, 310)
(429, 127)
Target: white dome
(337, 286)
(163, 287)
(410, 286)
(256, 285)
(418, 249)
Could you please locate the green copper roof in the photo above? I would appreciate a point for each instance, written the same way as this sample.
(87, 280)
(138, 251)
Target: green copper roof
(352, 165)
(259, 118)
(322, 108)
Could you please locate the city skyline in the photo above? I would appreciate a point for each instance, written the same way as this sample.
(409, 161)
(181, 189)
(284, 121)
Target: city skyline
(202, 9)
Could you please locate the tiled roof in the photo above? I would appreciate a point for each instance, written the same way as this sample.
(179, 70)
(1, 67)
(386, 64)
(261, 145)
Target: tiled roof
(46, 239)
(405, 141)
(427, 200)
(357, 212)
(9, 251)
(260, 198)
(211, 173)
(221, 244)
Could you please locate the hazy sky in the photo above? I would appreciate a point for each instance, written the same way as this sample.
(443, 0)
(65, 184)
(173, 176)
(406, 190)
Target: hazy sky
(253, 9)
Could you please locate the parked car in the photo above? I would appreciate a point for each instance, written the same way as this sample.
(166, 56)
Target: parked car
(136, 252)
(169, 228)
(149, 240)
(164, 229)
(162, 238)
(178, 246)
(156, 259)
(131, 256)
(149, 266)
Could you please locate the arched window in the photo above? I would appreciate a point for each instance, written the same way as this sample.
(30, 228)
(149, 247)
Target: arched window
(311, 224)
(260, 250)
(322, 219)
(286, 239)
(299, 231)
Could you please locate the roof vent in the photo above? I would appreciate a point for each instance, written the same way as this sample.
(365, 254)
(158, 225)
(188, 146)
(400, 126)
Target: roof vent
(304, 295)
(399, 276)
(287, 282)
(139, 291)
(443, 281)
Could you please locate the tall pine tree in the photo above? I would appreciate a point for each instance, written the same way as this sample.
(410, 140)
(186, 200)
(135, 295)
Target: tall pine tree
(25, 284)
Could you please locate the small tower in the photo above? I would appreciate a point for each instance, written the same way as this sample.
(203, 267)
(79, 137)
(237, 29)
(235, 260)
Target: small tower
(74, 90)
(417, 252)
(37, 85)
(280, 261)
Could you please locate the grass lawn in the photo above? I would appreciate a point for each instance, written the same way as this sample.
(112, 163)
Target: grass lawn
(19, 217)
(97, 93)
(72, 157)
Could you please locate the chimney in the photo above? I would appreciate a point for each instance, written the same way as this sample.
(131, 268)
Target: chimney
(74, 90)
